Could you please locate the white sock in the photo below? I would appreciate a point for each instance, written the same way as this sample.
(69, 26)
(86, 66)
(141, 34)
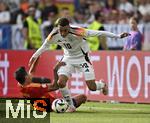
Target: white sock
(67, 96)
(99, 85)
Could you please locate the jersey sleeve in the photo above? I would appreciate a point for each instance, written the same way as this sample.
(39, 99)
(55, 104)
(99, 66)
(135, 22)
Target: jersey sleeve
(78, 31)
(36, 90)
(51, 37)
(45, 46)
(91, 33)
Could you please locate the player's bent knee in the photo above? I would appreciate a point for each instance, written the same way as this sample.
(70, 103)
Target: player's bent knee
(62, 81)
(61, 84)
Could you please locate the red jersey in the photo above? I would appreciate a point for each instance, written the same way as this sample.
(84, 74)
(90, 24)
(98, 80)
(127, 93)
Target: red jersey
(35, 90)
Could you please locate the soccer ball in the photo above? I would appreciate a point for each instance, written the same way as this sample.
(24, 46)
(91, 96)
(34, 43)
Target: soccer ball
(59, 105)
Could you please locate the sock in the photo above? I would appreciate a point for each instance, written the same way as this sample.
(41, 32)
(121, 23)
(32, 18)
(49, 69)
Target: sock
(67, 96)
(99, 85)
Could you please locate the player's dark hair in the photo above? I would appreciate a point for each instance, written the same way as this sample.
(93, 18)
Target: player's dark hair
(20, 75)
(63, 22)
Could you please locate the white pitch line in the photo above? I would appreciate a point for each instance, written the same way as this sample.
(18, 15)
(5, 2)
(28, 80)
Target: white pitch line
(102, 108)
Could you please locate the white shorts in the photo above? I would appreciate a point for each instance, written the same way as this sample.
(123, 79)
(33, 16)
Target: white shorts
(80, 65)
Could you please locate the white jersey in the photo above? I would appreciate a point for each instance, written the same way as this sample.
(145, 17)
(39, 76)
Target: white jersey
(74, 44)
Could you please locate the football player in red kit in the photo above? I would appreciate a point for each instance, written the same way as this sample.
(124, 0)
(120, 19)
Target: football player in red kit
(30, 89)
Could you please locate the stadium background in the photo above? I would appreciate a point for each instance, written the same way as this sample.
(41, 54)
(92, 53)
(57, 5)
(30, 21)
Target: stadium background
(128, 73)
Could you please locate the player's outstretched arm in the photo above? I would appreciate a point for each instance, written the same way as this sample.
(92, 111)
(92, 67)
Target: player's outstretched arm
(90, 33)
(33, 66)
(43, 48)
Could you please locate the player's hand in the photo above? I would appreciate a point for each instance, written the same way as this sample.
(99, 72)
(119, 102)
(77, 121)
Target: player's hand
(58, 65)
(125, 34)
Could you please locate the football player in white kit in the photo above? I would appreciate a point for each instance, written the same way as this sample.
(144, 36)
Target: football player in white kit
(73, 41)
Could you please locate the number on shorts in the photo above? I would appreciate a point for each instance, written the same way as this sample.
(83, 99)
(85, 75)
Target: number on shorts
(84, 65)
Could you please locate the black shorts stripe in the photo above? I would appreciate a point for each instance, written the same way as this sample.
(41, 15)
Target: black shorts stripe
(86, 56)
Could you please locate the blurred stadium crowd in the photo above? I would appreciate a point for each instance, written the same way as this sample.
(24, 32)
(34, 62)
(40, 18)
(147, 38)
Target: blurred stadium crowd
(111, 12)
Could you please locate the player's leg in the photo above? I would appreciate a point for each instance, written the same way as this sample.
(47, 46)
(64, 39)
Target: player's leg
(64, 73)
(79, 99)
(97, 85)
(89, 75)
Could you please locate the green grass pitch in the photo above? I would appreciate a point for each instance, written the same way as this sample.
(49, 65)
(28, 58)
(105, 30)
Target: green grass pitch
(93, 112)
